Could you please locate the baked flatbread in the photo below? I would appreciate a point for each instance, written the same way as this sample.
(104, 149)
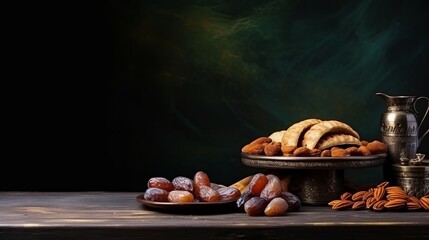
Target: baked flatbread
(317, 131)
(277, 136)
(293, 133)
(337, 139)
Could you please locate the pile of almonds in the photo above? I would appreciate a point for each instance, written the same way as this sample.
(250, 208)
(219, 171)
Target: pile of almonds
(266, 146)
(381, 198)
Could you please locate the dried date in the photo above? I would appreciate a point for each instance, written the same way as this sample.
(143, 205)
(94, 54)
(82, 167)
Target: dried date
(201, 179)
(156, 194)
(272, 189)
(160, 182)
(293, 201)
(208, 194)
(258, 183)
(276, 207)
(183, 183)
(255, 206)
(245, 196)
(229, 193)
(180, 196)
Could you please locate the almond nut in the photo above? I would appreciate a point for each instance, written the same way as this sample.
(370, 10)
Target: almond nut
(339, 152)
(394, 189)
(379, 193)
(358, 196)
(383, 184)
(273, 149)
(359, 205)
(395, 204)
(369, 202)
(379, 205)
(376, 147)
(342, 204)
(254, 149)
(393, 196)
(346, 196)
(261, 140)
(333, 202)
(424, 202)
(301, 152)
(364, 150)
(412, 206)
(413, 199)
(315, 152)
(325, 153)
(354, 151)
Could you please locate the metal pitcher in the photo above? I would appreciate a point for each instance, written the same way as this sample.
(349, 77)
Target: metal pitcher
(400, 126)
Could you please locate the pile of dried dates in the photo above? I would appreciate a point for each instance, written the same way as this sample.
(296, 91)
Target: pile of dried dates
(266, 195)
(257, 195)
(183, 189)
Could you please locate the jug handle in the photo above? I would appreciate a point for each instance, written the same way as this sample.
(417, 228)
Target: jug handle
(424, 116)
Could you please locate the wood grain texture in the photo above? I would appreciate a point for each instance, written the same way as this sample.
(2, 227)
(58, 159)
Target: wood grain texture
(117, 215)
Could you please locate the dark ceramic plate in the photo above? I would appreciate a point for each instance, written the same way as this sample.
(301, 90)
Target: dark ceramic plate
(191, 207)
(281, 162)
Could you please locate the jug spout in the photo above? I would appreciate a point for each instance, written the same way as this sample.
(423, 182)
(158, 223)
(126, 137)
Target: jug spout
(401, 101)
(384, 96)
(387, 99)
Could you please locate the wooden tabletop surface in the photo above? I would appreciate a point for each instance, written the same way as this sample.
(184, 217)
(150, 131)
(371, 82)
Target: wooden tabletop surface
(118, 215)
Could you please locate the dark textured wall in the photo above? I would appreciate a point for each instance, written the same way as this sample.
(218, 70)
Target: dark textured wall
(180, 86)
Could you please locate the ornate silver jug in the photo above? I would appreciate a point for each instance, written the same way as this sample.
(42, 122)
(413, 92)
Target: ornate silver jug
(400, 127)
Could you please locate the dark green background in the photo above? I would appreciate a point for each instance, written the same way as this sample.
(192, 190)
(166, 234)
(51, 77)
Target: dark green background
(168, 88)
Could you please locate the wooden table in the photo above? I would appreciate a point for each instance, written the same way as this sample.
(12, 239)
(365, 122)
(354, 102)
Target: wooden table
(118, 215)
